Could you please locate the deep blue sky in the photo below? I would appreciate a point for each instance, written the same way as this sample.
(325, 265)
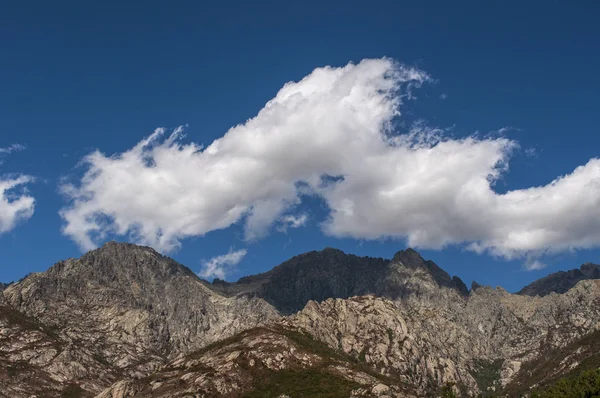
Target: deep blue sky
(75, 76)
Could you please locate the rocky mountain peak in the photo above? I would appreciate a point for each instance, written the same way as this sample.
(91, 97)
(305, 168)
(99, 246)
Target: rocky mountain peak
(591, 270)
(410, 258)
(331, 273)
(118, 264)
(331, 251)
(123, 255)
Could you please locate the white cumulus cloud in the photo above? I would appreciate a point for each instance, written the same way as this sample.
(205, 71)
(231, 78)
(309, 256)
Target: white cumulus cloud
(331, 135)
(219, 266)
(163, 190)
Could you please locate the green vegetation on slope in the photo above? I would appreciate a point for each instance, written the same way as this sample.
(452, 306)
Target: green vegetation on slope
(584, 385)
(553, 365)
(314, 383)
(487, 376)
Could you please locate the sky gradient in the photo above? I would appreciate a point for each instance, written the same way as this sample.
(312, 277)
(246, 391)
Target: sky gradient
(422, 125)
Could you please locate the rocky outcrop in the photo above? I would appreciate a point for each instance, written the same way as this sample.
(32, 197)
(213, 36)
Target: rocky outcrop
(35, 362)
(438, 340)
(398, 344)
(268, 362)
(562, 281)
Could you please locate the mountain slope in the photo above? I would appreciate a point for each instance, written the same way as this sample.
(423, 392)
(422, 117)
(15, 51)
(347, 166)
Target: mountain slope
(126, 318)
(365, 346)
(35, 362)
(567, 361)
(428, 345)
(562, 281)
(134, 306)
(269, 361)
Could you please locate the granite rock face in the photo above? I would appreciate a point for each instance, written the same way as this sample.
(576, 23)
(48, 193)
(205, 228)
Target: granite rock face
(439, 340)
(35, 361)
(270, 361)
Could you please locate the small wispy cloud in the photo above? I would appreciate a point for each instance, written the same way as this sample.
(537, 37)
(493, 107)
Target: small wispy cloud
(219, 266)
(12, 148)
(531, 152)
(533, 265)
(16, 205)
(504, 130)
(291, 221)
(443, 96)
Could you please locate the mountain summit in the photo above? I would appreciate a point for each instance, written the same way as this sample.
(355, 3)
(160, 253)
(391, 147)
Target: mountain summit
(331, 273)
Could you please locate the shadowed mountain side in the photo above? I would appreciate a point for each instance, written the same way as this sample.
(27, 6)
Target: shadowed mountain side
(331, 273)
(560, 282)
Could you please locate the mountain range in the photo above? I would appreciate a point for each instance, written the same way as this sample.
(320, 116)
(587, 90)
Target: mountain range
(125, 321)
